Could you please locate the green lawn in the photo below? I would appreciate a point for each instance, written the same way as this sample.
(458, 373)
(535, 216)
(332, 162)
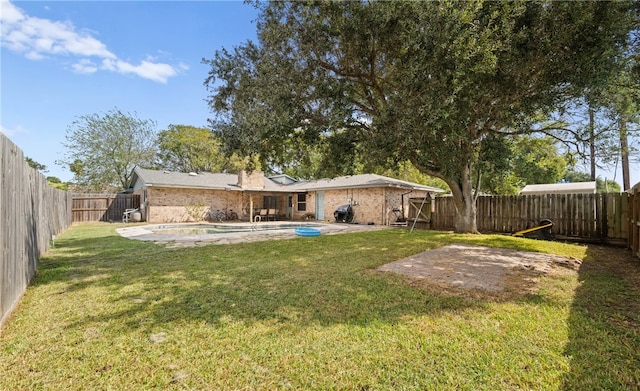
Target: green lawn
(106, 312)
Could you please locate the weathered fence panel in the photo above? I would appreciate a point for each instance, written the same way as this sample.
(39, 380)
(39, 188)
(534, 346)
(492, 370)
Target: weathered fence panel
(102, 207)
(633, 220)
(31, 212)
(575, 215)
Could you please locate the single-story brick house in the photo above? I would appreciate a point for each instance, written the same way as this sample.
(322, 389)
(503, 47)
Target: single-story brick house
(167, 196)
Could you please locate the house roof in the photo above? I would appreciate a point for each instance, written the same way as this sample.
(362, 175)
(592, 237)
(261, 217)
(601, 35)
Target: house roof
(560, 188)
(361, 181)
(205, 180)
(222, 181)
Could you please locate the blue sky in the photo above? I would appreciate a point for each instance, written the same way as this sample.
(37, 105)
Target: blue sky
(61, 60)
(64, 59)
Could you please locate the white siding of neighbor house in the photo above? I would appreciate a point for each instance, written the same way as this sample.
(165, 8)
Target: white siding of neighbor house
(560, 188)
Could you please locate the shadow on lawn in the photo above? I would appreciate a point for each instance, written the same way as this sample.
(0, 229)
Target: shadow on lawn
(604, 323)
(320, 281)
(296, 281)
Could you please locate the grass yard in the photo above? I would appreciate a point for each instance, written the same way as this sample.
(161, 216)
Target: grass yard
(106, 312)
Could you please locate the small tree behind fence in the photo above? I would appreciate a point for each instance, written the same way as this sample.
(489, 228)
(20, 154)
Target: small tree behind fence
(574, 215)
(31, 213)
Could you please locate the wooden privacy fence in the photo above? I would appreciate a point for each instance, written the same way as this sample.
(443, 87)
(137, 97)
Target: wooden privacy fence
(31, 213)
(634, 220)
(573, 215)
(102, 207)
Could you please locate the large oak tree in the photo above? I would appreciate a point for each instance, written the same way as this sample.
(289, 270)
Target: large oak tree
(428, 82)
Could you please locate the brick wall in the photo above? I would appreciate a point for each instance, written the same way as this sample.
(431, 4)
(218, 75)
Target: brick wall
(370, 205)
(255, 180)
(183, 205)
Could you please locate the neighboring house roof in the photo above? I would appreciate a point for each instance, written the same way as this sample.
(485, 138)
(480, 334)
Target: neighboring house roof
(560, 188)
(220, 181)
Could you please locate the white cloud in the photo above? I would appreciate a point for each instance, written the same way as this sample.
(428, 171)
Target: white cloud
(85, 66)
(38, 38)
(148, 70)
(10, 14)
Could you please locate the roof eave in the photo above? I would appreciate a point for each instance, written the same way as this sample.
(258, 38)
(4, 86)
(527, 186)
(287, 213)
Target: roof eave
(370, 186)
(178, 186)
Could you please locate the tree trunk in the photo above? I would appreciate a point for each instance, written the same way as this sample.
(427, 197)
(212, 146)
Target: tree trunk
(464, 201)
(592, 143)
(624, 151)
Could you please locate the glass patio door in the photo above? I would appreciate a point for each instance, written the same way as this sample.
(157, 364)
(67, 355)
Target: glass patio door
(320, 205)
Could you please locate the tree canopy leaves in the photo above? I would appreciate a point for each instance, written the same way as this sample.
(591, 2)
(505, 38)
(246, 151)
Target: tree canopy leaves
(376, 83)
(189, 149)
(35, 165)
(102, 149)
(521, 161)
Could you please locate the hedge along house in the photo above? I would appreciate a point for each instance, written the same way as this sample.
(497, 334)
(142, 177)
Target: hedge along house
(180, 197)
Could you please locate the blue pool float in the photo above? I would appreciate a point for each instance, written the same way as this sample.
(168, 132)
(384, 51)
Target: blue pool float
(307, 231)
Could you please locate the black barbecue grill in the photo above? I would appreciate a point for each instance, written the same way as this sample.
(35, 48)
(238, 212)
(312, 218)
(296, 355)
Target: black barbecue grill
(343, 214)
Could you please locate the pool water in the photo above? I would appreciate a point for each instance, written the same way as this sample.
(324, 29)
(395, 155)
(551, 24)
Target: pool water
(203, 229)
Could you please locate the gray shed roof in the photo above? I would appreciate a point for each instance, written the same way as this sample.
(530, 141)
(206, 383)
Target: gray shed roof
(221, 181)
(560, 188)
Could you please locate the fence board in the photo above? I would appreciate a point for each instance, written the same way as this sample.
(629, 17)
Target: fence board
(575, 215)
(633, 222)
(31, 213)
(102, 207)
(624, 206)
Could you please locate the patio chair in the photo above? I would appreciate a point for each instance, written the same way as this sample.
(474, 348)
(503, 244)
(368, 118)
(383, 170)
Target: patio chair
(272, 214)
(126, 215)
(261, 216)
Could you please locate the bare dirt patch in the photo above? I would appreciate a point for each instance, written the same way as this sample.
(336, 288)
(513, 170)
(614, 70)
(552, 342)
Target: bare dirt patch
(481, 270)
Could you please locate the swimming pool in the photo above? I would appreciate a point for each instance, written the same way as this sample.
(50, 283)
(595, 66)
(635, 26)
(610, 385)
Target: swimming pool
(207, 229)
(198, 234)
